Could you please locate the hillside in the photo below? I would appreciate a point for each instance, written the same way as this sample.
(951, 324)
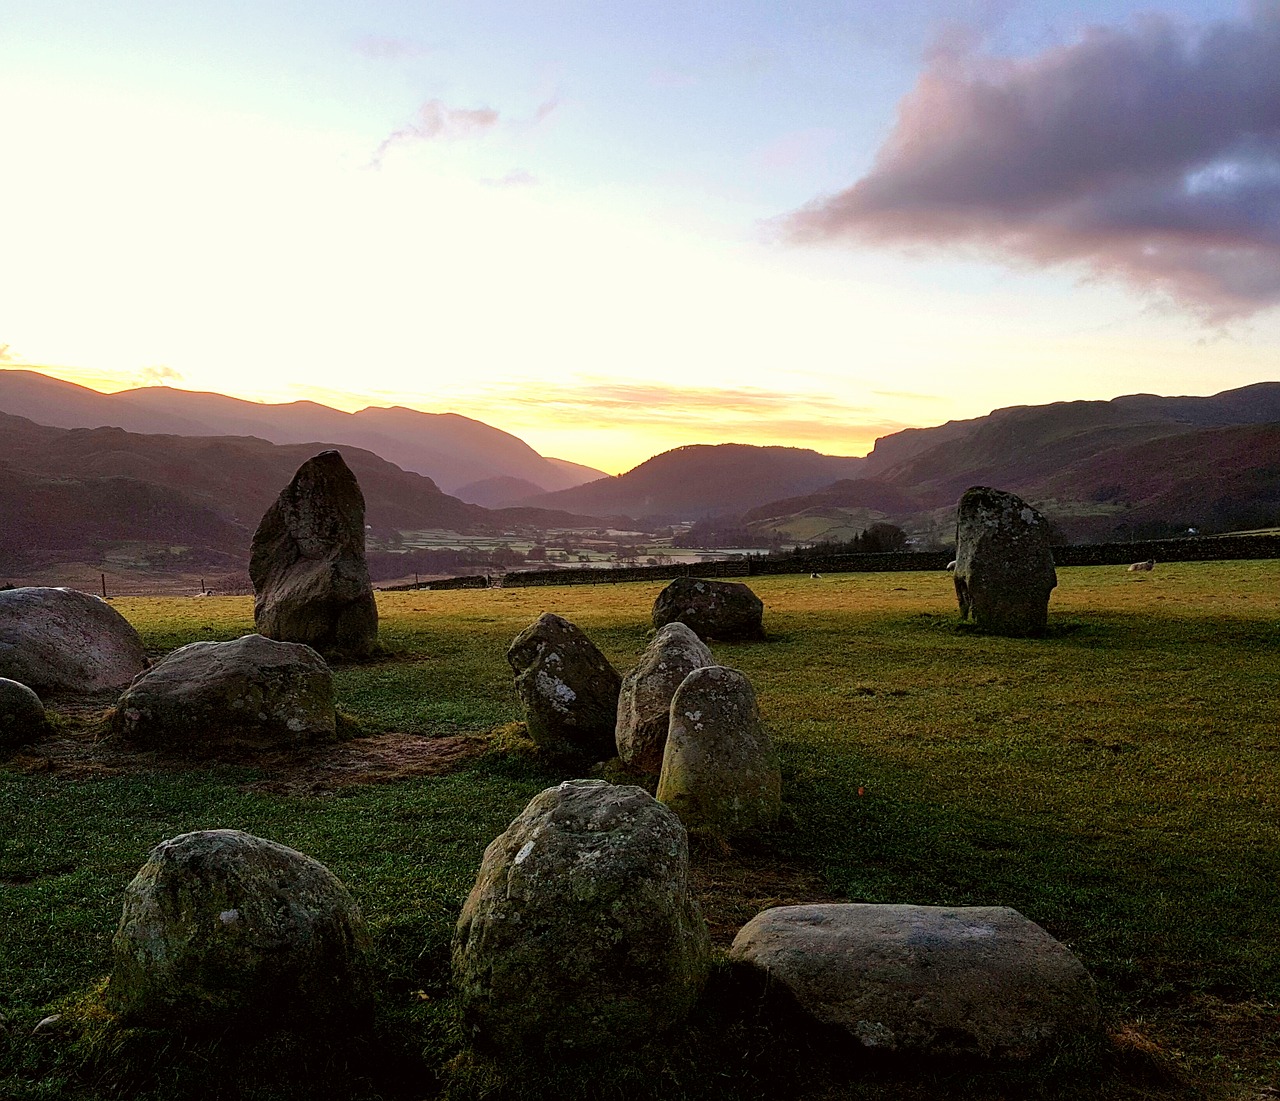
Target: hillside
(450, 449)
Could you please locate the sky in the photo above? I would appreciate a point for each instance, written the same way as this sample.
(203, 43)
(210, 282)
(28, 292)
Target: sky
(615, 229)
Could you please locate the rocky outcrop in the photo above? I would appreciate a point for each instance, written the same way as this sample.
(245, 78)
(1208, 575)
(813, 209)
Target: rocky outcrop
(567, 688)
(974, 981)
(310, 580)
(719, 771)
(644, 703)
(64, 641)
(221, 928)
(580, 933)
(22, 718)
(723, 610)
(1004, 566)
(211, 699)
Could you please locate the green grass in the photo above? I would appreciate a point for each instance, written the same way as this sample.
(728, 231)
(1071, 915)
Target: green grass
(1114, 781)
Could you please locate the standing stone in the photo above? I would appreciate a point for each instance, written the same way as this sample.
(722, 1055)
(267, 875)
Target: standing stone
(567, 687)
(581, 932)
(310, 580)
(1004, 567)
(644, 704)
(64, 641)
(721, 610)
(924, 980)
(22, 717)
(212, 698)
(222, 928)
(719, 772)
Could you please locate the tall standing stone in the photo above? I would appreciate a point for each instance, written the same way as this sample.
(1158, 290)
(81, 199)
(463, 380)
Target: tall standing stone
(644, 704)
(567, 687)
(1004, 566)
(310, 579)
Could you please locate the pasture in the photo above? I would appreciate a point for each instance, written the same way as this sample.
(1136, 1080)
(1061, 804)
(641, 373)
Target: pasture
(1115, 781)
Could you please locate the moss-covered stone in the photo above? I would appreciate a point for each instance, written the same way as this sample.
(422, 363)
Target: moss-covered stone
(725, 610)
(22, 718)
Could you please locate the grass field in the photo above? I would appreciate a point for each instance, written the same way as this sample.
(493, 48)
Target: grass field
(1115, 781)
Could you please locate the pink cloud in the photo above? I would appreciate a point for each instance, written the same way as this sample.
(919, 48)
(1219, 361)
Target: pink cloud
(436, 121)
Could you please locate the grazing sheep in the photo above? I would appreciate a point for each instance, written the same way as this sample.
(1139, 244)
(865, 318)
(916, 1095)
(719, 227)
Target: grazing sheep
(815, 575)
(1149, 564)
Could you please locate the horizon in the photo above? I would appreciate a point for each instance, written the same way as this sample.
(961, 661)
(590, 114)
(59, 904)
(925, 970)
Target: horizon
(611, 233)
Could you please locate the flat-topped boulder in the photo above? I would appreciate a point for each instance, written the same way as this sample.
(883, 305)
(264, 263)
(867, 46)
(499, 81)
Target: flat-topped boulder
(1004, 568)
(62, 641)
(22, 718)
(567, 688)
(644, 703)
(719, 770)
(221, 928)
(723, 610)
(970, 981)
(209, 699)
(581, 933)
(307, 563)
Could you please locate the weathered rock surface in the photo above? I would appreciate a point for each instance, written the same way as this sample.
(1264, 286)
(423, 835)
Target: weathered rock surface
(567, 687)
(1004, 566)
(221, 928)
(580, 932)
(924, 980)
(721, 610)
(310, 578)
(64, 641)
(212, 698)
(644, 703)
(22, 718)
(719, 771)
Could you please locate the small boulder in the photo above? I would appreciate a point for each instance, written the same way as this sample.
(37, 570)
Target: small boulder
(22, 718)
(581, 932)
(972, 981)
(719, 771)
(1004, 569)
(567, 687)
(310, 578)
(221, 928)
(65, 641)
(212, 698)
(644, 704)
(721, 610)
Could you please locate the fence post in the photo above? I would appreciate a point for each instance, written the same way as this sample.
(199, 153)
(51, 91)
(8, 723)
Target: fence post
(104, 586)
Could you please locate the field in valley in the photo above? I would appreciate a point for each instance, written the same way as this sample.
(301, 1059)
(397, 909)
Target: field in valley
(1115, 781)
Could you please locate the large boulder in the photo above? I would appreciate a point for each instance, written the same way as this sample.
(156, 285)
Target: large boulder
(212, 698)
(644, 704)
(310, 579)
(721, 610)
(580, 932)
(63, 641)
(719, 771)
(974, 981)
(567, 687)
(22, 718)
(1004, 566)
(221, 928)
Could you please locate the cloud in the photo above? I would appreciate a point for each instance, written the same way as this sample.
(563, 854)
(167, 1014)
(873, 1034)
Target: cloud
(436, 121)
(6, 356)
(1149, 153)
(158, 375)
(517, 177)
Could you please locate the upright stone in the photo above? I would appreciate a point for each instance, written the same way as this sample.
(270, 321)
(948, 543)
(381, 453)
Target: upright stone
(567, 687)
(65, 641)
(1004, 566)
(22, 718)
(723, 610)
(310, 579)
(719, 771)
(581, 933)
(644, 704)
(923, 981)
(221, 928)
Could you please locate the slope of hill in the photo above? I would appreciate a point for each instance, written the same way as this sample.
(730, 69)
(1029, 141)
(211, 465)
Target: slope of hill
(701, 480)
(450, 449)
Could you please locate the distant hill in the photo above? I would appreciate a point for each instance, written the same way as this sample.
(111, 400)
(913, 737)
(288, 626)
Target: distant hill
(450, 449)
(701, 480)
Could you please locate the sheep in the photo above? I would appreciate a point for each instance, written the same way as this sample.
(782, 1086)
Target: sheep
(1149, 564)
(814, 576)
(951, 566)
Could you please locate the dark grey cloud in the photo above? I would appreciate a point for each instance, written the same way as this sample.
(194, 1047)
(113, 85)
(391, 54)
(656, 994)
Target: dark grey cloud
(1150, 153)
